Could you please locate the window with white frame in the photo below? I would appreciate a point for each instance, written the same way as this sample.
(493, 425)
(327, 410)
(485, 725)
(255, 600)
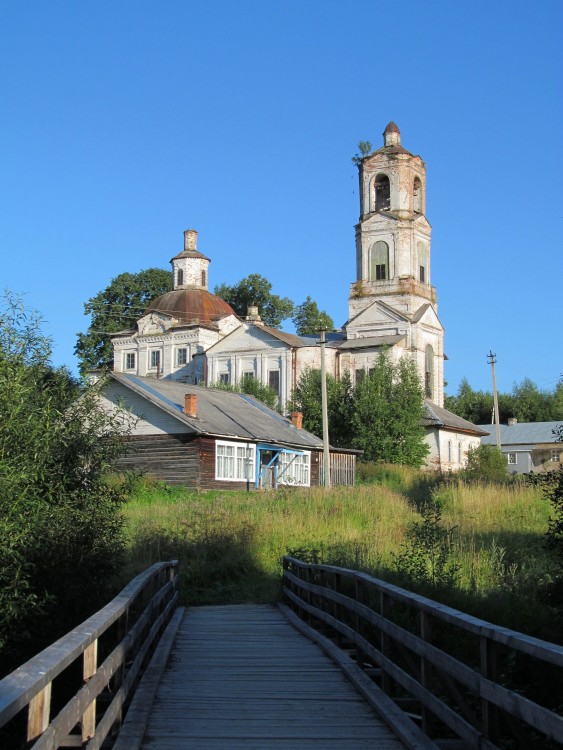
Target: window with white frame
(459, 453)
(555, 456)
(234, 462)
(294, 469)
(223, 378)
(511, 458)
(130, 361)
(155, 359)
(450, 451)
(181, 356)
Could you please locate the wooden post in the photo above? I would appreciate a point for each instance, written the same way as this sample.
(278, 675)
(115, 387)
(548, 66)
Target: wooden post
(38, 713)
(425, 674)
(384, 643)
(337, 607)
(89, 667)
(489, 669)
(360, 598)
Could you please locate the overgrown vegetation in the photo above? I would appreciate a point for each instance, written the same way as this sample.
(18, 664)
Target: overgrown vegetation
(60, 528)
(479, 547)
(252, 387)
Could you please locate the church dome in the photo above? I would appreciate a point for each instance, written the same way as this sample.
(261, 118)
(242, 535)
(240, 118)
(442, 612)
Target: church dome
(191, 306)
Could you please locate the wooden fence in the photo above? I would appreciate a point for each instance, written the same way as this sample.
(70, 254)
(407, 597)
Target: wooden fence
(124, 634)
(468, 683)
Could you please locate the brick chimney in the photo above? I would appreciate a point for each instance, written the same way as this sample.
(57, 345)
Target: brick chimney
(190, 405)
(512, 421)
(297, 419)
(190, 239)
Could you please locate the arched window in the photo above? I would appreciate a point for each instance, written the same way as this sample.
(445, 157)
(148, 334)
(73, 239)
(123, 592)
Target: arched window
(450, 451)
(180, 278)
(459, 454)
(379, 261)
(417, 195)
(382, 192)
(429, 372)
(422, 273)
(203, 278)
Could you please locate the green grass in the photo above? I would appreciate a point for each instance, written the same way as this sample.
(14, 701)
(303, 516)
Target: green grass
(230, 544)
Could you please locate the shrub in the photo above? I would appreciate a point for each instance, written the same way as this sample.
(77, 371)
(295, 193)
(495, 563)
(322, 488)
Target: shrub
(485, 464)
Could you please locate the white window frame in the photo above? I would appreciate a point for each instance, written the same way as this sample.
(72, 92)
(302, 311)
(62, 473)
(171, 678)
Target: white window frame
(130, 356)
(556, 456)
(224, 378)
(185, 357)
(235, 462)
(295, 469)
(512, 458)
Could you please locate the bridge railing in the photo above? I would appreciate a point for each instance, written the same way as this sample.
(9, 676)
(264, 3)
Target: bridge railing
(460, 677)
(102, 659)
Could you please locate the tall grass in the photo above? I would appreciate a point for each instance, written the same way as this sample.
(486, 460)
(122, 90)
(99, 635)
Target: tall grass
(230, 544)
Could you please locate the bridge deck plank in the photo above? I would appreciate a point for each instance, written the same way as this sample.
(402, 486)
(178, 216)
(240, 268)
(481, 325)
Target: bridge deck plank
(242, 676)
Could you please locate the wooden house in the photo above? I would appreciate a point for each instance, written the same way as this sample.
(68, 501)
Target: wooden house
(215, 439)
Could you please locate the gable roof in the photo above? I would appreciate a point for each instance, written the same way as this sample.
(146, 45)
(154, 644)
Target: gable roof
(523, 433)
(220, 413)
(369, 342)
(437, 416)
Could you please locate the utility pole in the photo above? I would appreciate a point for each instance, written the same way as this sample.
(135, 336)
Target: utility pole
(326, 452)
(491, 357)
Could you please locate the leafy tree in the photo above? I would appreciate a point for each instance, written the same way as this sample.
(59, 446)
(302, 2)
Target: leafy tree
(60, 527)
(485, 464)
(117, 308)
(306, 398)
(256, 290)
(365, 149)
(252, 387)
(388, 411)
(309, 319)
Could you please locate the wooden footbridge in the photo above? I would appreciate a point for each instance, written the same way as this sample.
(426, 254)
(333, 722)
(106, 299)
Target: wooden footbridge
(346, 662)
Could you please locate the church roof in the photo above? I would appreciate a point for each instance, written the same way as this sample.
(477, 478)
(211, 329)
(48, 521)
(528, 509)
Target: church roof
(437, 416)
(190, 254)
(367, 342)
(191, 306)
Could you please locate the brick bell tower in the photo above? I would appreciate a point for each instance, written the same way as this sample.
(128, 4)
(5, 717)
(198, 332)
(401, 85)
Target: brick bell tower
(393, 256)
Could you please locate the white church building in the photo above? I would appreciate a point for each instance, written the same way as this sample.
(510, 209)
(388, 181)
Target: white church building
(192, 336)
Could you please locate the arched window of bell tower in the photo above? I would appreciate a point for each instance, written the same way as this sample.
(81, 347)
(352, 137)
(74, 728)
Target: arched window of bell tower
(180, 277)
(381, 193)
(203, 278)
(417, 195)
(429, 372)
(379, 261)
(422, 265)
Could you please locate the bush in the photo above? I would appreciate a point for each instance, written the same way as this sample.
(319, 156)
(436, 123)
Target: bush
(60, 524)
(485, 464)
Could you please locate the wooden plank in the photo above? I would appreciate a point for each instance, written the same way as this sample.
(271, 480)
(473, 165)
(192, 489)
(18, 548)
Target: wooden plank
(243, 677)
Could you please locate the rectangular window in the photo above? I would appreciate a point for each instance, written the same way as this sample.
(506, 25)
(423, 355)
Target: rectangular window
(181, 356)
(234, 462)
(274, 381)
(130, 361)
(360, 375)
(224, 378)
(380, 272)
(294, 469)
(555, 456)
(422, 273)
(511, 458)
(155, 359)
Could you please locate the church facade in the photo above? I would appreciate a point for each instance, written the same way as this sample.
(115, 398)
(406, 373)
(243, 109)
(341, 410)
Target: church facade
(190, 335)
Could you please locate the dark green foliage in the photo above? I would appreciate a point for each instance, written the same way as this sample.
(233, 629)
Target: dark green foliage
(427, 559)
(117, 308)
(251, 386)
(526, 402)
(256, 290)
(60, 527)
(485, 464)
(365, 149)
(307, 399)
(388, 411)
(308, 319)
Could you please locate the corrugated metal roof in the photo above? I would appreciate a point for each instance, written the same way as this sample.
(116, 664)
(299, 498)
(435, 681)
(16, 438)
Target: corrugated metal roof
(437, 416)
(367, 342)
(221, 413)
(522, 433)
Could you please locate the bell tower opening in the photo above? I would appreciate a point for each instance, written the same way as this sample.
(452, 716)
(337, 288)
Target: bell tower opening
(417, 195)
(382, 192)
(379, 261)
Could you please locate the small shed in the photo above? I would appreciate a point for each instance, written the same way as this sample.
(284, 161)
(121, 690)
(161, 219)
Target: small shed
(212, 438)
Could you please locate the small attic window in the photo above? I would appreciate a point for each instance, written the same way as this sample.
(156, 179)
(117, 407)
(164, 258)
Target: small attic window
(180, 277)
(382, 192)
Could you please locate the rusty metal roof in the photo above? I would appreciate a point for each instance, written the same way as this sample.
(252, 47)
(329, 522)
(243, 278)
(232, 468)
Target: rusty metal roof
(191, 306)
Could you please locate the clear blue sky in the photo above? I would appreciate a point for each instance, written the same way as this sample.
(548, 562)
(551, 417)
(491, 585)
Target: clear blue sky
(124, 123)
